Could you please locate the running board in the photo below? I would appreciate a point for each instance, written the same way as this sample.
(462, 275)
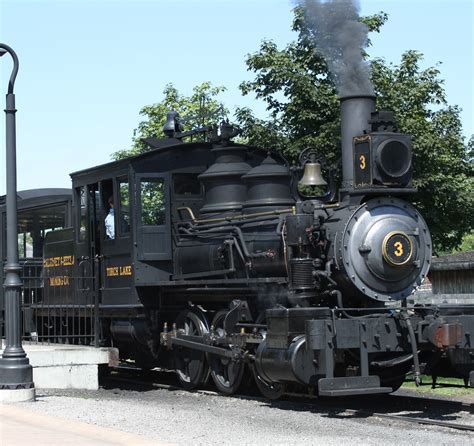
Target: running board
(351, 385)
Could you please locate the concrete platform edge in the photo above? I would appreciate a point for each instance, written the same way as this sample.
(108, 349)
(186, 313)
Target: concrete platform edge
(59, 366)
(17, 395)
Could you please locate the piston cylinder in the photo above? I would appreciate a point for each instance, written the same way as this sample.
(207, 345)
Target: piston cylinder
(130, 331)
(293, 364)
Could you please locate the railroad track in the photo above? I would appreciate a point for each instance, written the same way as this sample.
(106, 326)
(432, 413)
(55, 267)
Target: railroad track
(135, 379)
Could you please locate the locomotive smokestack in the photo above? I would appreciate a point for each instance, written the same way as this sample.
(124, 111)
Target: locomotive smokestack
(355, 116)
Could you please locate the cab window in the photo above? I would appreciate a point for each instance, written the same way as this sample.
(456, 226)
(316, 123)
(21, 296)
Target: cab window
(152, 198)
(108, 209)
(124, 205)
(186, 185)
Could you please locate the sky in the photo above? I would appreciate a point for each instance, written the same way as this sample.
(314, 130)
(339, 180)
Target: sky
(88, 66)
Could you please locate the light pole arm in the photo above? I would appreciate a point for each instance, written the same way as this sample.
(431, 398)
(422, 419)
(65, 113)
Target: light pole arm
(16, 64)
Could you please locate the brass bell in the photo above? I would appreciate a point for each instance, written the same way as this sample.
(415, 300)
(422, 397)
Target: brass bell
(312, 175)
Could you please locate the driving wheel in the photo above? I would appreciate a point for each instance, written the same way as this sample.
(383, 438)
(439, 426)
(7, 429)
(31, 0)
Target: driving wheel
(190, 364)
(225, 372)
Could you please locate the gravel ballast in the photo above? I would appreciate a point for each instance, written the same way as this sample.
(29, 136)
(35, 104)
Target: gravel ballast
(185, 418)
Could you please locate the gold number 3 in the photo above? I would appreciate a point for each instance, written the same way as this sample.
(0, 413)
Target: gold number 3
(362, 161)
(399, 251)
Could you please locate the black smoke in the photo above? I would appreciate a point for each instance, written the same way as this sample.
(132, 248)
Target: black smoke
(340, 37)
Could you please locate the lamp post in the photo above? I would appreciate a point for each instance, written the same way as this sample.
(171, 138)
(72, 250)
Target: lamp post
(16, 372)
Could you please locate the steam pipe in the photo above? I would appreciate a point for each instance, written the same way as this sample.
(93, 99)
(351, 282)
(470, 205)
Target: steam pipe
(355, 116)
(341, 308)
(416, 362)
(392, 362)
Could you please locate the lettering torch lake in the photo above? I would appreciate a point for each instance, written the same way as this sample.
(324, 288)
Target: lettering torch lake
(114, 271)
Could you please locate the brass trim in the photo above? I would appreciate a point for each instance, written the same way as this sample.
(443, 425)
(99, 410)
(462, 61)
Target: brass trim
(189, 210)
(362, 138)
(384, 248)
(358, 139)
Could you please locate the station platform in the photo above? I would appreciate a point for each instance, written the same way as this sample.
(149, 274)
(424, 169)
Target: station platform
(20, 426)
(64, 366)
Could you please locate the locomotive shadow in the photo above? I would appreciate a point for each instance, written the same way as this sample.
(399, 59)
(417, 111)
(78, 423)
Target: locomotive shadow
(362, 407)
(140, 381)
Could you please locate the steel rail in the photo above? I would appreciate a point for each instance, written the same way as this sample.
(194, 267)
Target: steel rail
(424, 421)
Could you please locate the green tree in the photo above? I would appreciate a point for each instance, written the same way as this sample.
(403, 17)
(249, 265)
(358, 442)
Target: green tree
(300, 94)
(442, 170)
(303, 111)
(467, 243)
(200, 109)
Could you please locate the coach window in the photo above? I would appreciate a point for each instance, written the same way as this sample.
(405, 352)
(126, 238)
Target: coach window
(34, 224)
(81, 196)
(152, 198)
(124, 206)
(25, 245)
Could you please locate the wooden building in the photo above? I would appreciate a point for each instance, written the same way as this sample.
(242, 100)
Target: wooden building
(452, 279)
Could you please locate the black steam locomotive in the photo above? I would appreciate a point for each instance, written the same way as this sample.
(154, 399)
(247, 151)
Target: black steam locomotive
(217, 263)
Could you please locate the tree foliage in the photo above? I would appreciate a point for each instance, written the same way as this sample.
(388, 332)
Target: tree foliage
(197, 110)
(303, 111)
(442, 171)
(300, 95)
(467, 243)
